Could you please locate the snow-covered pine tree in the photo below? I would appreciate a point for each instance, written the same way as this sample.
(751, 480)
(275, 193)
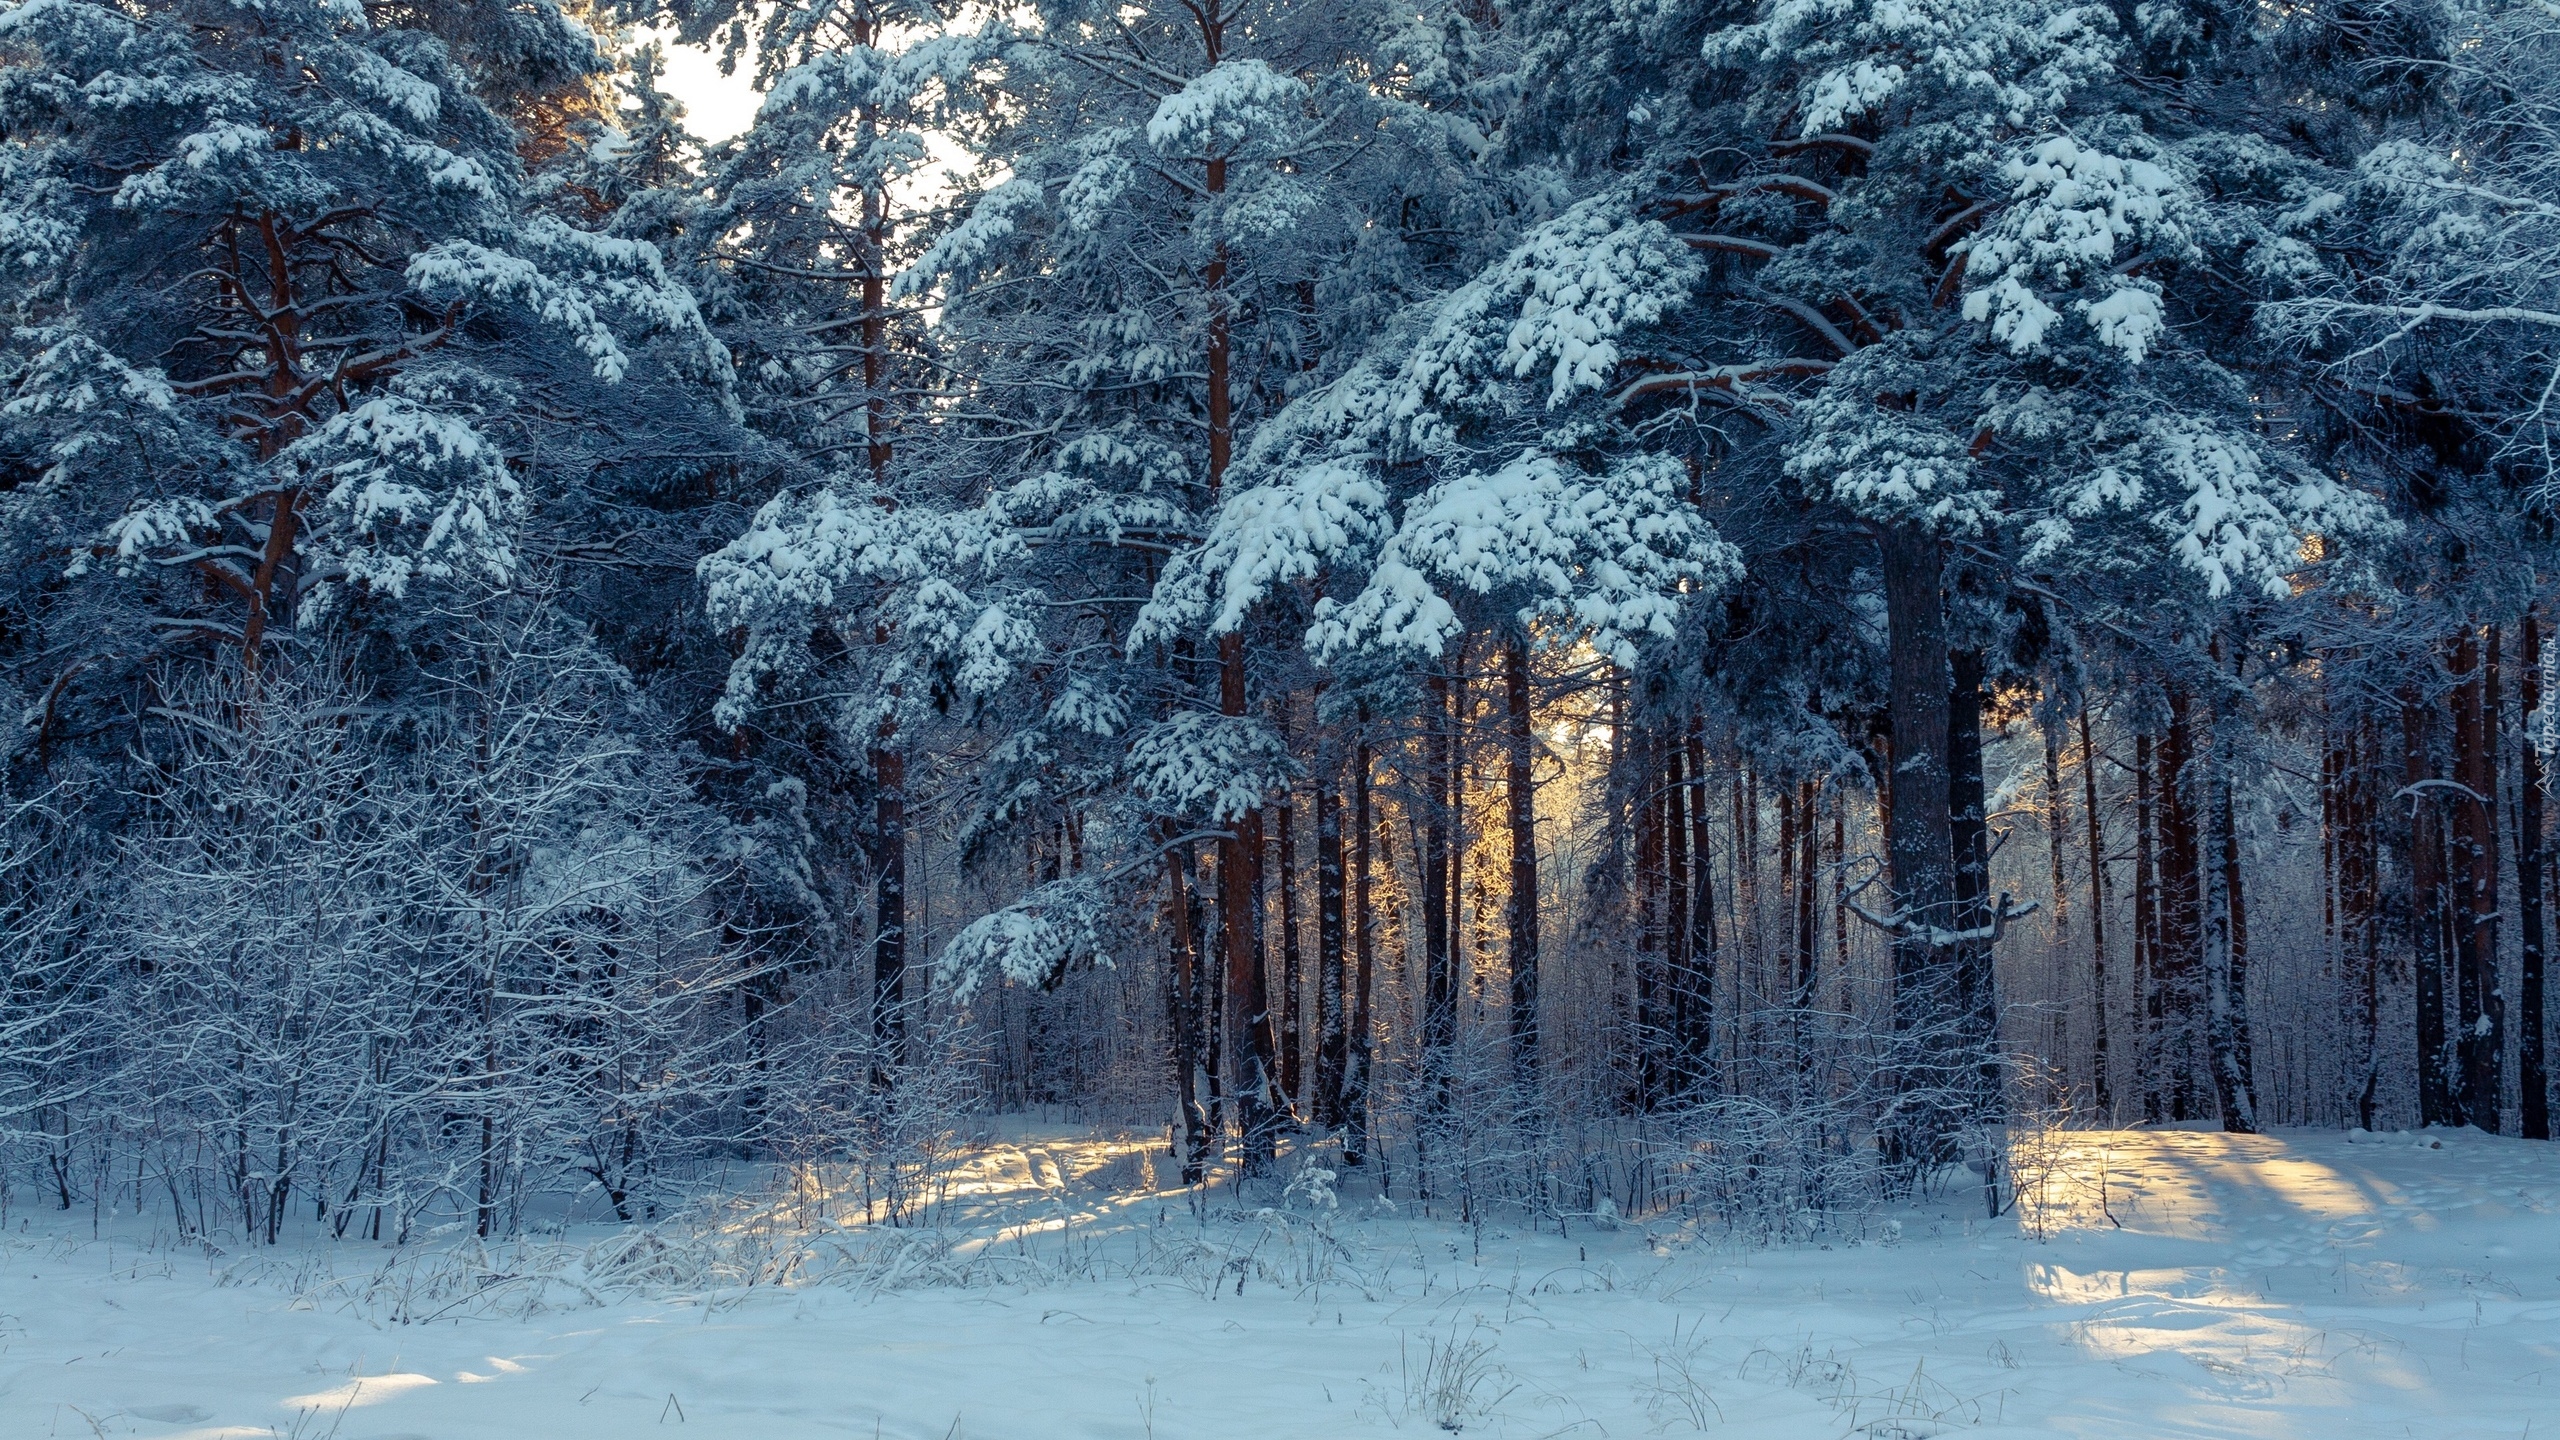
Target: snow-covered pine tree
(305, 366)
(807, 219)
(290, 335)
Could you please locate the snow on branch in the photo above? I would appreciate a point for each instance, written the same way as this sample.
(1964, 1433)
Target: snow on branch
(818, 557)
(1731, 379)
(2240, 516)
(1212, 768)
(411, 493)
(1555, 308)
(1607, 556)
(1901, 925)
(1033, 941)
(569, 279)
(1892, 463)
(1237, 105)
(2074, 214)
(2005, 61)
(966, 247)
(1263, 537)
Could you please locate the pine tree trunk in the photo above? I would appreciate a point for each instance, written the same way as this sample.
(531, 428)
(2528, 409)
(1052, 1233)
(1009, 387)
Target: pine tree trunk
(1439, 998)
(2182, 915)
(2100, 1062)
(1651, 1032)
(1332, 1035)
(1699, 999)
(1462, 957)
(2054, 819)
(1521, 796)
(1839, 895)
(888, 764)
(2146, 929)
(889, 924)
(1680, 981)
(2226, 958)
(1918, 844)
(2361, 851)
(1198, 1133)
(2532, 1081)
(2334, 924)
(1969, 832)
(2481, 1043)
(2427, 908)
(1808, 869)
(1292, 980)
(1355, 1071)
(1248, 1006)
(1749, 923)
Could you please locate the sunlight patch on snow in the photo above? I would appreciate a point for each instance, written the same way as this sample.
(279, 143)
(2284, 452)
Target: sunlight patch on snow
(361, 1391)
(2184, 1184)
(2248, 1353)
(2065, 1286)
(2307, 1186)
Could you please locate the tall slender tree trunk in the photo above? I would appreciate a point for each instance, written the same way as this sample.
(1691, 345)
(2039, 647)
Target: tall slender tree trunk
(1840, 895)
(1248, 1005)
(2146, 929)
(889, 913)
(888, 761)
(1240, 852)
(1977, 914)
(2334, 924)
(1652, 1032)
(2226, 950)
(2059, 1011)
(1292, 980)
(2481, 1041)
(1519, 791)
(2428, 907)
(1332, 1035)
(1808, 871)
(2101, 1064)
(1198, 1133)
(1677, 907)
(2055, 838)
(1355, 1086)
(2182, 913)
(1750, 928)
(1439, 997)
(1462, 958)
(2361, 898)
(2532, 1081)
(1918, 845)
(1208, 921)
(1700, 1000)
(2490, 1034)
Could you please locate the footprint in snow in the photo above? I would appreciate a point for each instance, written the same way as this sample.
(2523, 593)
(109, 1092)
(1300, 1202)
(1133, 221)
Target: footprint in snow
(170, 1414)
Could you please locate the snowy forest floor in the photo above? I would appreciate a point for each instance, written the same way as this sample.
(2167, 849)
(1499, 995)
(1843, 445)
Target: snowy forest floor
(2291, 1285)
